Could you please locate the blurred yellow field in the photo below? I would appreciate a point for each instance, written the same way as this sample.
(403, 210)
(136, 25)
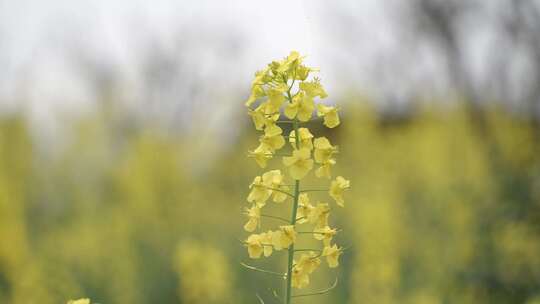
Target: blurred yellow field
(439, 212)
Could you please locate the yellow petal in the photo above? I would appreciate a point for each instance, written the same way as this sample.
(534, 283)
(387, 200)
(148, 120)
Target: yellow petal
(291, 110)
(331, 120)
(289, 160)
(300, 169)
(272, 130)
(302, 153)
(251, 225)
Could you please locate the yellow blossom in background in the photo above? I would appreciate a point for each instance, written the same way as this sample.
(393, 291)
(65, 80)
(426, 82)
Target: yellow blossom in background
(300, 163)
(204, 276)
(330, 115)
(338, 186)
(332, 254)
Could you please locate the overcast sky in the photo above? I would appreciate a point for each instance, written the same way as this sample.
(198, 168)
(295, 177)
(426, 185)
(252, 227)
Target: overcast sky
(35, 38)
(52, 51)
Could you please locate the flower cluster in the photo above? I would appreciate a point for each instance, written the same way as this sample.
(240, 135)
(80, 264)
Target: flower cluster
(282, 91)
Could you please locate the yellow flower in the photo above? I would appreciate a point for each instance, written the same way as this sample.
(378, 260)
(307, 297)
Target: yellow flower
(338, 186)
(259, 192)
(261, 78)
(266, 240)
(274, 102)
(299, 278)
(290, 63)
(303, 268)
(284, 237)
(280, 197)
(302, 72)
(323, 150)
(299, 163)
(288, 236)
(273, 179)
(254, 215)
(254, 246)
(325, 170)
(324, 234)
(304, 208)
(332, 255)
(261, 155)
(305, 138)
(291, 109)
(260, 119)
(79, 301)
(319, 215)
(256, 93)
(308, 263)
(313, 88)
(302, 107)
(272, 139)
(331, 117)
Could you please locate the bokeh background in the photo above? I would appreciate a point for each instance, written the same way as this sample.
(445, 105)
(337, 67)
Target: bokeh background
(123, 139)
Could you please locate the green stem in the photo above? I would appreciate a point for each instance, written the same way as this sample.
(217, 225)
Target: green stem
(308, 249)
(275, 217)
(314, 190)
(318, 292)
(277, 190)
(288, 295)
(262, 270)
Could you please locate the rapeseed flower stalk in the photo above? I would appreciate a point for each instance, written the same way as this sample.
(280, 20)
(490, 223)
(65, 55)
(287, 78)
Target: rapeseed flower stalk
(283, 88)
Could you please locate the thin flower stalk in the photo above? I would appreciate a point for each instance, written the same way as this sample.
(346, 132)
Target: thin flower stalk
(272, 106)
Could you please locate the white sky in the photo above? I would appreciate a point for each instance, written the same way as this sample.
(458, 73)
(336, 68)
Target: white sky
(38, 38)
